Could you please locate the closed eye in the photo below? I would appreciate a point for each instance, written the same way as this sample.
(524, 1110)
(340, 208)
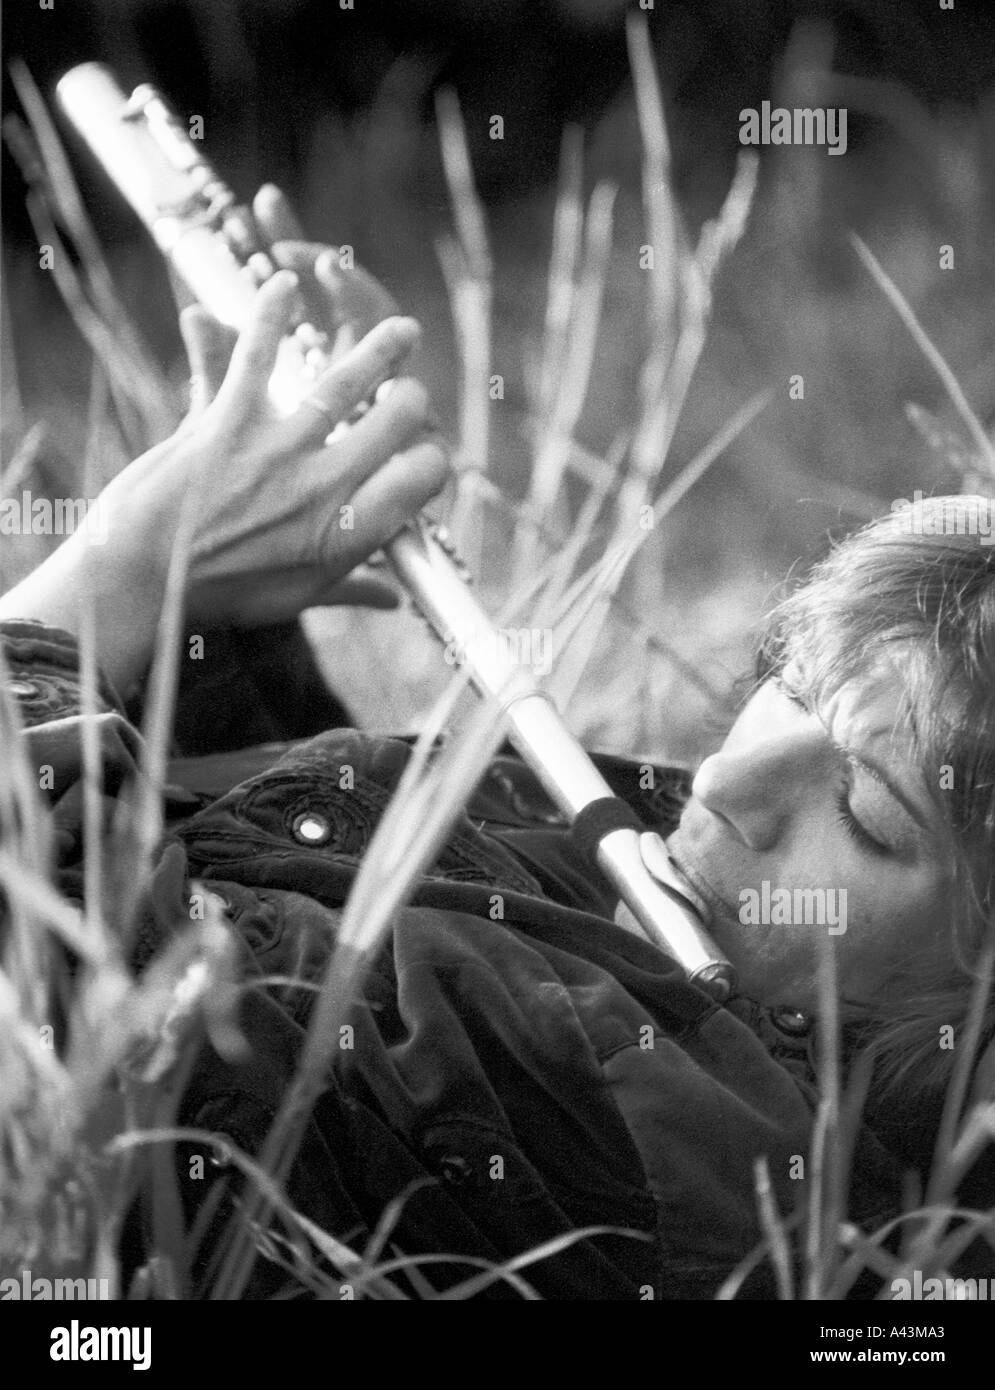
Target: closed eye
(853, 827)
(844, 811)
(790, 693)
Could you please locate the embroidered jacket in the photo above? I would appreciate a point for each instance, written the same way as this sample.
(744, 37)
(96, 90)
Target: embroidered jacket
(516, 1074)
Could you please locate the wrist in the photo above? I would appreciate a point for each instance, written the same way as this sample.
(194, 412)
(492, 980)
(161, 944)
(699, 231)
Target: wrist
(120, 587)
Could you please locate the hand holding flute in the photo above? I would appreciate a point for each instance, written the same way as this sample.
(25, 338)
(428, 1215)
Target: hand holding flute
(222, 254)
(283, 516)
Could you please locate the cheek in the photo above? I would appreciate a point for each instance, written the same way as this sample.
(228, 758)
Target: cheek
(900, 920)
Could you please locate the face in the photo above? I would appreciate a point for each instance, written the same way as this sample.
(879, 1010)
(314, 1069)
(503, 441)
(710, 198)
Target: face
(815, 823)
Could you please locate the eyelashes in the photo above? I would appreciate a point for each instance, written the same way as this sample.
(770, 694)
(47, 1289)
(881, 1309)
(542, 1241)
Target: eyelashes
(853, 827)
(790, 693)
(844, 811)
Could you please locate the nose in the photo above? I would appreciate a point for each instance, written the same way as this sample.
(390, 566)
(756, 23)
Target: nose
(756, 791)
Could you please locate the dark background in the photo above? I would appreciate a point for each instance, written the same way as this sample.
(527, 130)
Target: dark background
(261, 71)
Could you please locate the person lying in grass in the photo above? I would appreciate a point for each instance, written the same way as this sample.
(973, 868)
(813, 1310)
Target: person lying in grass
(536, 1073)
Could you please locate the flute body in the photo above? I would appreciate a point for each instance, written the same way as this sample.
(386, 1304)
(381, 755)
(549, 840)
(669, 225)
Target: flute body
(215, 247)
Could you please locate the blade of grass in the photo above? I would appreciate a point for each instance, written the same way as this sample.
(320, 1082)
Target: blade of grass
(568, 228)
(823, 1208)
(60, 191)
(773, 1228)
(468, 269)
(986, 449)
(579, 355)
(596, 607)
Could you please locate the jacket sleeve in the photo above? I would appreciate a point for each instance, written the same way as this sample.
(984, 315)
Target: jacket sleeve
(40, 674)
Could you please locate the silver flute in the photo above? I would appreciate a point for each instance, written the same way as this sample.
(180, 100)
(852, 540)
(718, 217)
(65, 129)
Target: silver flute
(217, 249)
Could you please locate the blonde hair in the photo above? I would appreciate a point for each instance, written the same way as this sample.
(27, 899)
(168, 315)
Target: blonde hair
(919, 582)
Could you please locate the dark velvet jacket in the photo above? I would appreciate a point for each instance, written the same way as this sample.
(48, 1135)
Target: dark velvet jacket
(521, 1068)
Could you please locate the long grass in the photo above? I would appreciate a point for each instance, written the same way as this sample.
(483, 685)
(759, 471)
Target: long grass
(94, 1066)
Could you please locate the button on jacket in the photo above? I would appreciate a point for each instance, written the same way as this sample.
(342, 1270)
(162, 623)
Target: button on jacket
(517, 1073)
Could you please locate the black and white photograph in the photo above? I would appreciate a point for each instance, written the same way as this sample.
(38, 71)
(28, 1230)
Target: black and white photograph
(497, 671)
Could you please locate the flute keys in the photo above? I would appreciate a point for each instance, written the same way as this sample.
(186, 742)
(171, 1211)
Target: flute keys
(447, 543)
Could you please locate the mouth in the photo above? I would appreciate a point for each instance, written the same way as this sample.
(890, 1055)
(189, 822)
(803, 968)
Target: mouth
(701, 885)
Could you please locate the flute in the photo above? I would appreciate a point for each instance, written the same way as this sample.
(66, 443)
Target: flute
(216, 248)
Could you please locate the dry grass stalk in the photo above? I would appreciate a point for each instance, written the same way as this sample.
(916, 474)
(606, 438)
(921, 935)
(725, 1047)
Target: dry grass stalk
(613, 565)
(561, 414)
(56, 191)
(932, 354)
(467, 265)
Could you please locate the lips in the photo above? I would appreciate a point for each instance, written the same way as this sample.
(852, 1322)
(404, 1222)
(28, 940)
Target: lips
(700, 884)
